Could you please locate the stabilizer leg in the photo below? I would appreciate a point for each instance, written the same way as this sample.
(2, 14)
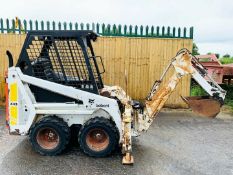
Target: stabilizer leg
(127, 142)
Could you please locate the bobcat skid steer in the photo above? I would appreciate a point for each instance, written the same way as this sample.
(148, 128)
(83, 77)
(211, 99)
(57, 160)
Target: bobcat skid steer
(56, 85)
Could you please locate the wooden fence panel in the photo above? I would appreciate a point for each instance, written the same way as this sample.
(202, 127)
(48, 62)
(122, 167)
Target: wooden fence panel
(130, 62)
(13, 43)
(141, 61)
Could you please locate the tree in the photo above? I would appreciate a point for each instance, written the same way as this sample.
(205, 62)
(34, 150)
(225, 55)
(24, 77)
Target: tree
(226, 56)
(195, 49)
(217, 55)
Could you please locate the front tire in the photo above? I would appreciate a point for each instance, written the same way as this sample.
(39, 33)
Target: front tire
(98, 137)
(49, 136)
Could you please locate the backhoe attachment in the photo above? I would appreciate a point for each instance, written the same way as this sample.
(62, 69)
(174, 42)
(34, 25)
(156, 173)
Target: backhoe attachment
(206, 106)
(184, 63)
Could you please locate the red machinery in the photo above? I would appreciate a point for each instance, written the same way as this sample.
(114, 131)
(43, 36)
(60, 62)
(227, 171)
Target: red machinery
(220, 73)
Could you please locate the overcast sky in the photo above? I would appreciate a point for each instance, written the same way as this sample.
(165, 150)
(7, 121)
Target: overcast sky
(212, 19)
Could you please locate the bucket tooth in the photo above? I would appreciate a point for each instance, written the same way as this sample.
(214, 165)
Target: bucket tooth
(204, 106)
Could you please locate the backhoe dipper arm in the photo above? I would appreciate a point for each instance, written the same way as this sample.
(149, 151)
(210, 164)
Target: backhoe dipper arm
(159, 95)
(184, 64)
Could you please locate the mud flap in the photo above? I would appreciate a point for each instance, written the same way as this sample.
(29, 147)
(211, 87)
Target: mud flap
(204, 106)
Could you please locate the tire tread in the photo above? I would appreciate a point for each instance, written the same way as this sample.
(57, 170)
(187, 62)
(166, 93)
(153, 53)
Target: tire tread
(103, 121)
(56, 121)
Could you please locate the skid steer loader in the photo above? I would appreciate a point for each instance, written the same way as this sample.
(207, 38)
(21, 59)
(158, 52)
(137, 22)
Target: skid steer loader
(56, 85)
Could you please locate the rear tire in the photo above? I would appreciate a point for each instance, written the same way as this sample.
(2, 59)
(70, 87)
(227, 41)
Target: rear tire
(98, 137)
(49, 136)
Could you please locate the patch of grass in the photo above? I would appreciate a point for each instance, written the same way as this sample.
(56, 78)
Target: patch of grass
(229, 96)
(226, 60)
(196, 90)
(229, 103)
(204, 59)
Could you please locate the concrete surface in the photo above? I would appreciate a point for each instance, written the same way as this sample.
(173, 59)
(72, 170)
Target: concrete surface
(177, 143)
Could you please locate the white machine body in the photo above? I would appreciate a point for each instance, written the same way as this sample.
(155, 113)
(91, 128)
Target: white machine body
(24, 110)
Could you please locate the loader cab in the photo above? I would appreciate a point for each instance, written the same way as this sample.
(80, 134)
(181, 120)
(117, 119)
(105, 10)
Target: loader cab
(64, 57)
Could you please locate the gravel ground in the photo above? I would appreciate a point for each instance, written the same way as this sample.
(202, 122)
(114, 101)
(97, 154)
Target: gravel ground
(178, 142)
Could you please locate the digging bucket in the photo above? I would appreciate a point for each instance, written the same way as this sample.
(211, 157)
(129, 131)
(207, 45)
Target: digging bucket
(204, 106)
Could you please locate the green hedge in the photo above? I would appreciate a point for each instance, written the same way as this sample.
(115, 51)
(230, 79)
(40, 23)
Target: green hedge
(226, 60)
(196, 90)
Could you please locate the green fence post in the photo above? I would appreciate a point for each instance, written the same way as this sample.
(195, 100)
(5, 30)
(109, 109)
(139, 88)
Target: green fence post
(71, 26)
(20, 24)
(168, 31)
(108, 29)
(163, 31)
(136, 30)
(119, 29)
(191, 32)
(59, 25)
(54, 25)
(65, 25)
(130, 30)
(179, 31)
(37, 26)
(82, 26)
(125, 30)
(185, 32)
(157, 31)
(174, 32)
(30, 25)
(1, 25)
(42, 25)
(147, 30)
(98, 28)
(93, 26)
(141, 30)
(88, 26)
(7, 26)
(13, 26)
(48, 25)
(114, 29)
(76, 26)
(103, 28)
(152, 31)
(25, 25)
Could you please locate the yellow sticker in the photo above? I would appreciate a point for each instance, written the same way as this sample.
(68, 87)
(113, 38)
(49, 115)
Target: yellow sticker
(13, 111)
(13, 92)
(13, 115)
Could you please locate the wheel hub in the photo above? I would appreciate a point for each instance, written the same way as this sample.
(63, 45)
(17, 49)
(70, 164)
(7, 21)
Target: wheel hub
(97, 139)
(47, 138)
(98, 136)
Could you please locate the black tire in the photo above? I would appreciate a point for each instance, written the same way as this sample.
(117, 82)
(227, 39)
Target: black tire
(52, 143)
(96, 126)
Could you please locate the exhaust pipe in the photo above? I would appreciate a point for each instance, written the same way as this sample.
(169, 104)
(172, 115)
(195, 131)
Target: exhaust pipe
(10, 61)
(10, 58)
